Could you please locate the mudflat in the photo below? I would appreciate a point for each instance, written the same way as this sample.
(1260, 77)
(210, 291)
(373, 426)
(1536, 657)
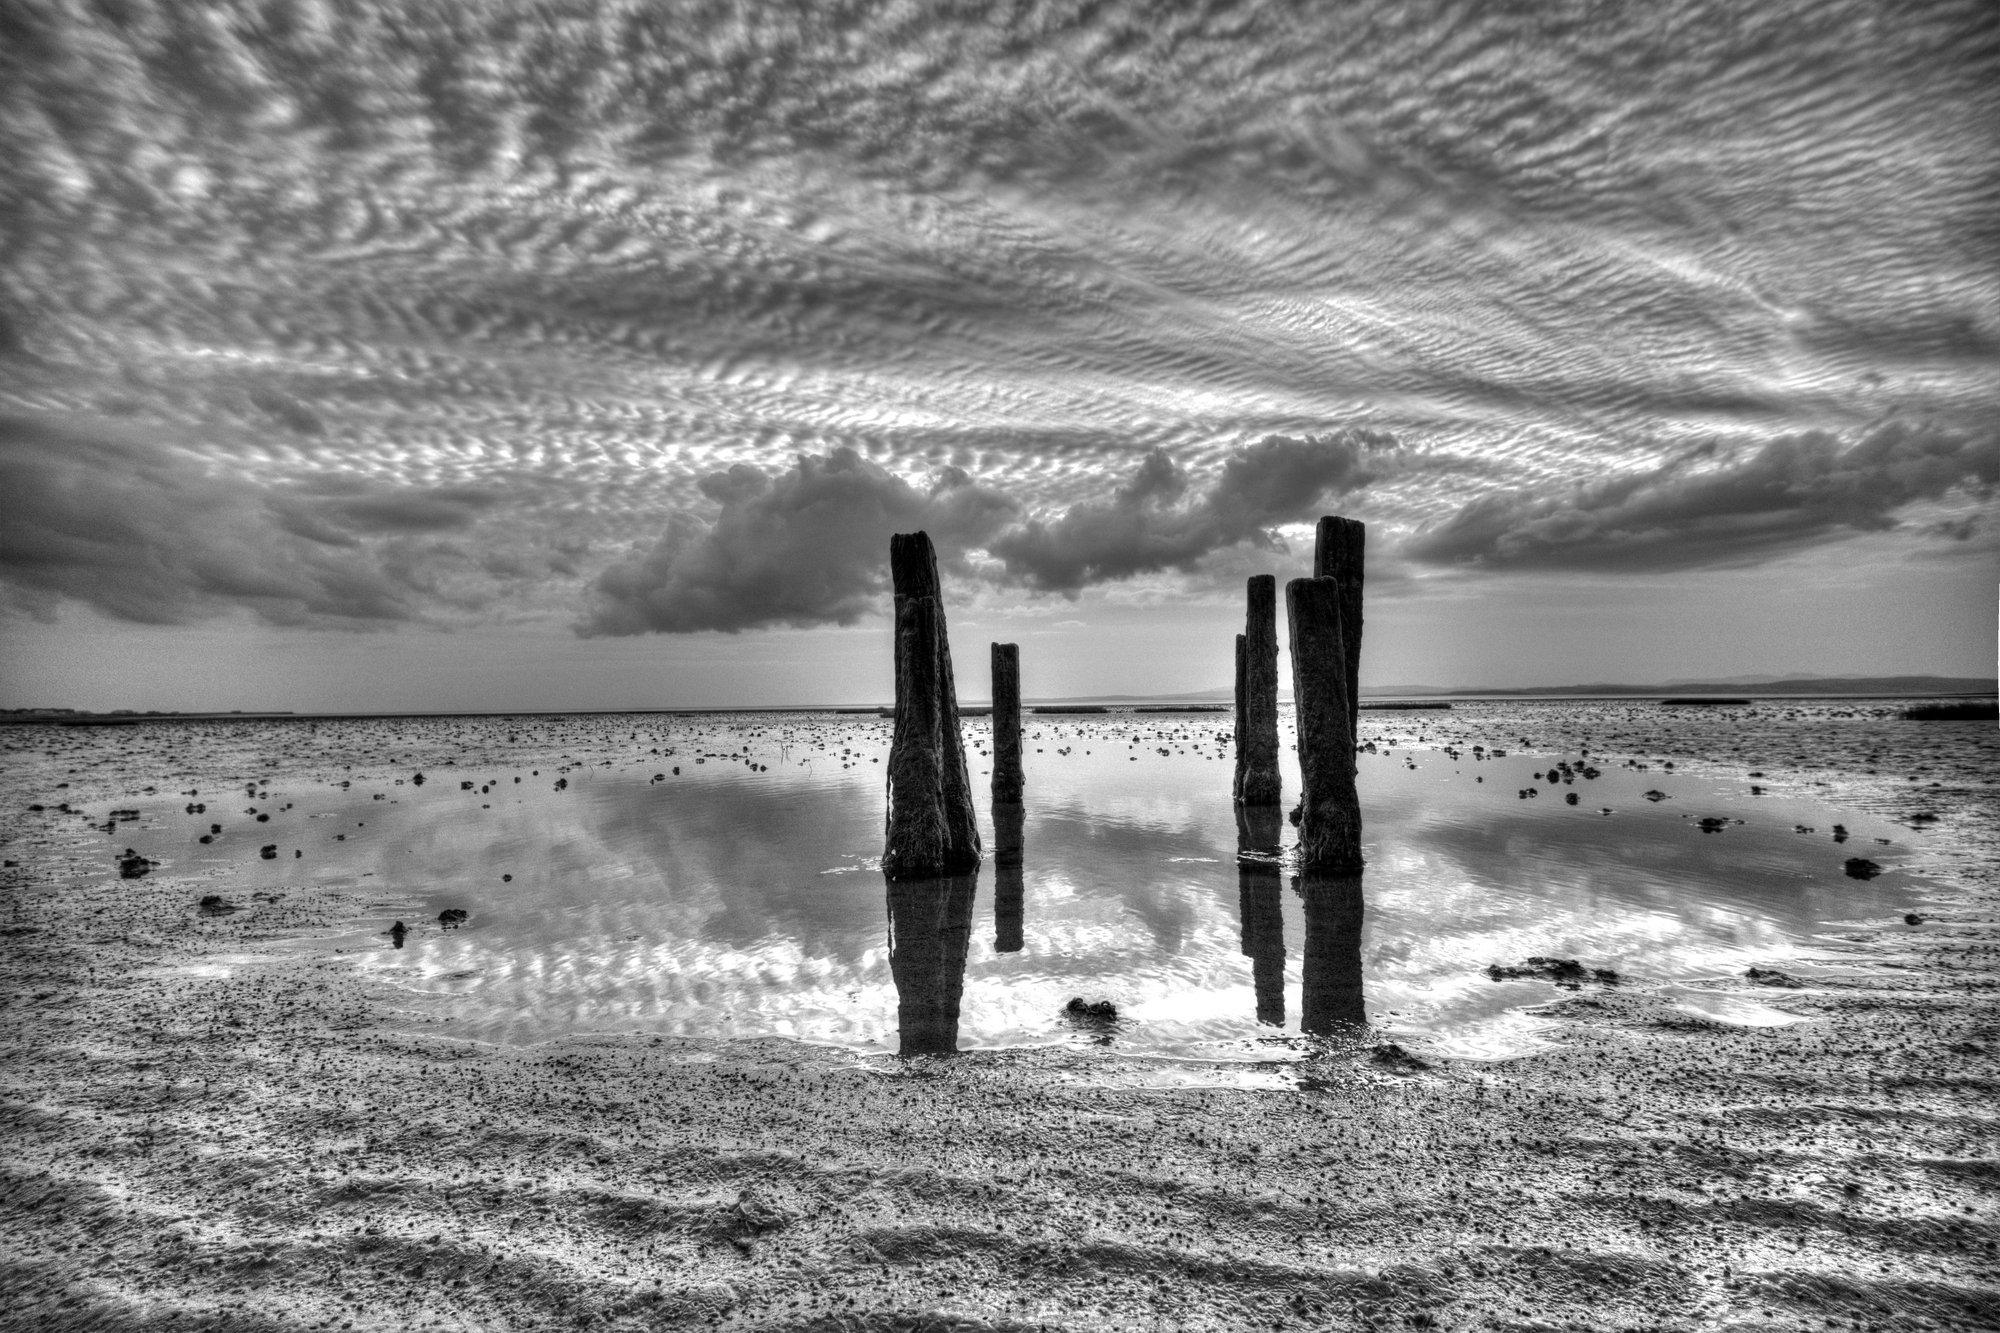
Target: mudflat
(214, 1118)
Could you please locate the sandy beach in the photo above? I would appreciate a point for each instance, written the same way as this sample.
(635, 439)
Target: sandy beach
(211, 1121)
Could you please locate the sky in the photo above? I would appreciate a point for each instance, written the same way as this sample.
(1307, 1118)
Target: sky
(493, 355)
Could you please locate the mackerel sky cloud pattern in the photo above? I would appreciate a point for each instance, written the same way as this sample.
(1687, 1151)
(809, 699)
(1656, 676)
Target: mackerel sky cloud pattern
(446, 313)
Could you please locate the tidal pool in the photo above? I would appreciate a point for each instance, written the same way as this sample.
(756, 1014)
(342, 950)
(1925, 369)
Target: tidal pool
(741, 897)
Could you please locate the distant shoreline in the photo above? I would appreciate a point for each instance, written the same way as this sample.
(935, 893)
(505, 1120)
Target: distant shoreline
(980, 708)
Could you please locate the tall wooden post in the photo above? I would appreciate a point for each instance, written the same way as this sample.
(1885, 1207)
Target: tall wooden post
(1339, 545)
(1258, 782)
(1330, 806)
(1006, 724)
(932, 829)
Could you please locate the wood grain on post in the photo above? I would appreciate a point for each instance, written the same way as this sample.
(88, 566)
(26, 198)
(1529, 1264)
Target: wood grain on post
(1339, 545)
(1330, 806)
(1006, 724)
(1257, 751)
(932, 829)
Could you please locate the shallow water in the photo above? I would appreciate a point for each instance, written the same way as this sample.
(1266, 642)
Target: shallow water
(741, 896)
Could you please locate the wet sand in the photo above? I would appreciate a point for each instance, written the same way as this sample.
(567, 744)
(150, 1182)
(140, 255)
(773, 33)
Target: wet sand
(209, 1124)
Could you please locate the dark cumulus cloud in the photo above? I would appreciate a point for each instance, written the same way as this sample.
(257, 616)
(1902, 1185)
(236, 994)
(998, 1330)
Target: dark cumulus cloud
(1157, 520)
(809, 546)
(103, 515)
(1790, 492)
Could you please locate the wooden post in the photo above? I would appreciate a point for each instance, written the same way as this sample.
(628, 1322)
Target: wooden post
(1331, 1000)
(1338, 547)
(1257, 779)
(930, 932)
(1259, 881)
(932, 829)
(1006, 724)
(1009, 888)
(1330, 806)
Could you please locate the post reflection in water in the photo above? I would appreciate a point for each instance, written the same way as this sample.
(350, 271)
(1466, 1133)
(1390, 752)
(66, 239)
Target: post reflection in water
(930, 929)
(1009, 844)
(1331, 1000)
(1259, 828)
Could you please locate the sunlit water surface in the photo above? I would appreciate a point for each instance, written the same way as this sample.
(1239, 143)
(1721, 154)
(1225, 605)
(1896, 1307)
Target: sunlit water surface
(741, 895)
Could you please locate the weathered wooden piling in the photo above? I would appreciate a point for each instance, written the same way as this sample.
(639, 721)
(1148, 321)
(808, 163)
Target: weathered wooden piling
(1009, 886)
(1330, 806)
(931, 825)
(1257, 779)
(1339, 545)
(1260, 905)
(930, 933)
(1330, 999)
(1006, 724)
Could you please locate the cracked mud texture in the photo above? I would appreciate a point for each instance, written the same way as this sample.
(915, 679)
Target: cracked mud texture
(271, 1142)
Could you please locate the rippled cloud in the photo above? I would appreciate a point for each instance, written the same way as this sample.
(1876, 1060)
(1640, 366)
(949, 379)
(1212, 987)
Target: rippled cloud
(1699, 509)
(441, 306)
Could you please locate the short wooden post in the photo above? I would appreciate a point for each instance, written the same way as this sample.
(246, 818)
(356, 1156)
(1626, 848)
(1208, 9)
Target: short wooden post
(932, 829)
(1006, 724)
(1330, 806)
(1258, 781)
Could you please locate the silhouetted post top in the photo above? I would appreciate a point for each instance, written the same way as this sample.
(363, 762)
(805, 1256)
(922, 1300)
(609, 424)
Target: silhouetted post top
(913, 565)
(1338, 548)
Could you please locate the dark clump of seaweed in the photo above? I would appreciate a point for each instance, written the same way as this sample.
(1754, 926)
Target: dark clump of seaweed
(1396, 1060)
(1563, 971)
